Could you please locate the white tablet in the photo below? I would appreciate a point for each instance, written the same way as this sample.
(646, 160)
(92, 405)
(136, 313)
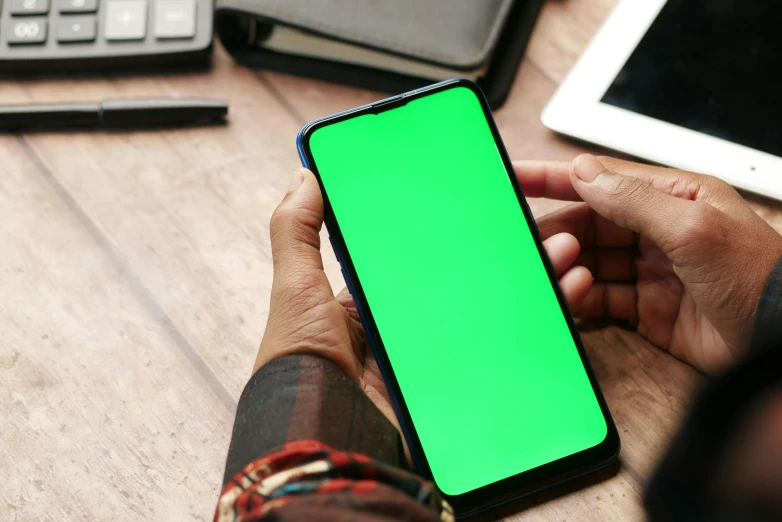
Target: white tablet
(694, 84)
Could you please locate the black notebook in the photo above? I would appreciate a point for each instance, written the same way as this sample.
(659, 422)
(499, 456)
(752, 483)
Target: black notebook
(386, 45)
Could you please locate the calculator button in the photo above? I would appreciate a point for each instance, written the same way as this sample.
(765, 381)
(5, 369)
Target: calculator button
(77, 29)
(29, 7)
(126, 20)
(78, 6)
(26, 31)
(175, 19)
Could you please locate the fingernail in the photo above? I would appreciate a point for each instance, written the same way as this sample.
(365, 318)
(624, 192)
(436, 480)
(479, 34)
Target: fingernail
(296, 180)
(586, 167)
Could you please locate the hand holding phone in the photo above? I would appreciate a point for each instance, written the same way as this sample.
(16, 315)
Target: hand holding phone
(317, 322)
(419, 193)
(305, 317)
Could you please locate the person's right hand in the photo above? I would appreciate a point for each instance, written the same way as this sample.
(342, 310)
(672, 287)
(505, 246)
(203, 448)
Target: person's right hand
(679, 255)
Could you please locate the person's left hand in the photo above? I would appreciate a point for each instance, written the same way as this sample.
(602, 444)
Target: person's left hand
(305, 317)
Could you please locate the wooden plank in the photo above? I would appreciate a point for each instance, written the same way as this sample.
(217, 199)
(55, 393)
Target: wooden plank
(101, 415)
(562, 33)
(184, 215)
(187, 208)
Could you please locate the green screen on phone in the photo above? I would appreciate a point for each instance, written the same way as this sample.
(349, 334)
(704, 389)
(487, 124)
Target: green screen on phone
(472, 327)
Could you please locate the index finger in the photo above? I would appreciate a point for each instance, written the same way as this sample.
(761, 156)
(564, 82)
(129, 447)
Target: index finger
(545, 179)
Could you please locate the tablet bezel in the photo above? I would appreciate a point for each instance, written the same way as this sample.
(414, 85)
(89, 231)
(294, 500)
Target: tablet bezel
(576, 110)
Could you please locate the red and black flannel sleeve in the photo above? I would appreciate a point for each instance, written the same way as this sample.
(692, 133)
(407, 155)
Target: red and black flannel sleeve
(308, 444)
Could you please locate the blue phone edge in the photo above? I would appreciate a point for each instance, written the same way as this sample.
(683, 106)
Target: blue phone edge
(384, 372)
(362, 314)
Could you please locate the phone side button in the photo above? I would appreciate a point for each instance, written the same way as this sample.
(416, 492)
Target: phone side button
(347, 281)
(337, 253)
(334, 248)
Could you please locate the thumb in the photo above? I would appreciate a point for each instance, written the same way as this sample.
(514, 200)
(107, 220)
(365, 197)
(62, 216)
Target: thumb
(302, 308)
(295, 236)
(634, 204)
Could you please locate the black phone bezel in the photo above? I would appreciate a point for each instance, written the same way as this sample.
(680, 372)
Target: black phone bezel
(523, 483)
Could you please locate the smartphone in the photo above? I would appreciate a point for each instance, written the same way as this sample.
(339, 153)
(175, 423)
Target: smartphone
(438, 247)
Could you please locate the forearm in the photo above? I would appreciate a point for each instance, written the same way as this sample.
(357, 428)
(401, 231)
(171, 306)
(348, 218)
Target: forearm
(304, 432)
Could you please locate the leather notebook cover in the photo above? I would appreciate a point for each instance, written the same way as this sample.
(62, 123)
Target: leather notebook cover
(484, 37)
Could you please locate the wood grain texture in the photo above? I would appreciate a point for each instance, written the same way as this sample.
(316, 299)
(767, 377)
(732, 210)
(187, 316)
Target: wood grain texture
(135, 280)
(101, 417)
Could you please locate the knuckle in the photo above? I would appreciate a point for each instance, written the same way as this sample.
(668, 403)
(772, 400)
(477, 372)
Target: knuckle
(712, 183)
(704, 226)
(713, 188)
(282, 233)
(291, 225)
(724, 190)
(699, 222)
(279, 220)
(626, 187)
(687, 186)
(290, 219)
(709, 181)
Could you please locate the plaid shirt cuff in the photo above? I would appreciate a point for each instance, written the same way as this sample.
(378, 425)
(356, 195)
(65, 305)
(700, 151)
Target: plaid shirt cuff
(305, 397)
(307, 480)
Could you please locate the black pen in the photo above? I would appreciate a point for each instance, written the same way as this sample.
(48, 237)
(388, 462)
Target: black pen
(113, 113)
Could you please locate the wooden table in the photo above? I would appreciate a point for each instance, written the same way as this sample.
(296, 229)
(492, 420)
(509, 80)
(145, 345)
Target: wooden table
(134, 283)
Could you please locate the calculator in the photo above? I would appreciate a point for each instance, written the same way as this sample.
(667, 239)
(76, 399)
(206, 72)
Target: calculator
(40, 35)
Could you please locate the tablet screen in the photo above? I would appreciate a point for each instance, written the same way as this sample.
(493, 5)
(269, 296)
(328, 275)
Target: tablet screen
(712, 66)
